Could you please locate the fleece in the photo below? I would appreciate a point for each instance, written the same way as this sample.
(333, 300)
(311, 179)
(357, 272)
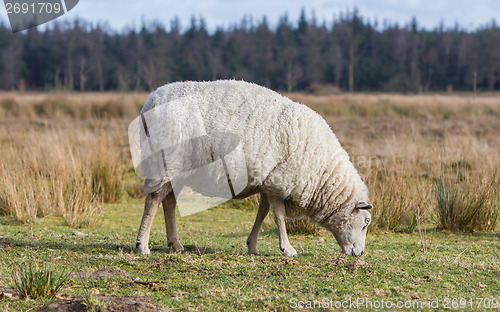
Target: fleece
(289, 150)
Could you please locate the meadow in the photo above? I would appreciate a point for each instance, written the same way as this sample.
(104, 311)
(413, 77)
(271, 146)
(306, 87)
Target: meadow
(70, 202)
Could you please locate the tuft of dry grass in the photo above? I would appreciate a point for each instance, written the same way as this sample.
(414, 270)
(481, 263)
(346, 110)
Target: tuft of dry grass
(465, 202)
(396, 199)
(80, 207)
(107, 173)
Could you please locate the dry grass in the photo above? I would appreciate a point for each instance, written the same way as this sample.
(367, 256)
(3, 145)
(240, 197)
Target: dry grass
(397, 105)
(63, 154)
(302, 226)
(61, 168)
(57, 105)
(465, 202)
(397, 199)
(106, 172)
(43, 174)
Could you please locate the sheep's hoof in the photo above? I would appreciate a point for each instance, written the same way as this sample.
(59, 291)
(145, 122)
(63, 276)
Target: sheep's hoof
(176, 247)
(252, 251)
(142, 249)
(290, 252)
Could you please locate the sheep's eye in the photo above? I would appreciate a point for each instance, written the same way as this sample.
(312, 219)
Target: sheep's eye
(367, 222)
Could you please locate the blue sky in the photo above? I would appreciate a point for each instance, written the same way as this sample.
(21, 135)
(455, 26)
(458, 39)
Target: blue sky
(121, 13)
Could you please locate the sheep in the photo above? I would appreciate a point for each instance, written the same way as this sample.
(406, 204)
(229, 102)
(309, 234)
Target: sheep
(290, 156)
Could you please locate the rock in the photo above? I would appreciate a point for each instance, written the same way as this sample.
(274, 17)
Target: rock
(77, 233)
(5, 295)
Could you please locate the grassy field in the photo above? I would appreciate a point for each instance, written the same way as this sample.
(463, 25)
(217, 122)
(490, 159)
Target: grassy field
(69, 198)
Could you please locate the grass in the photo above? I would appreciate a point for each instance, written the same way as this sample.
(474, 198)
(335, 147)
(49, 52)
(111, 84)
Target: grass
(65, 163)
(42, 173)
(385, 105)
(107, 174)
(466, 206)
(302, 226)
(33, 282)
(91, 302)
(397, 198)
(215, 273)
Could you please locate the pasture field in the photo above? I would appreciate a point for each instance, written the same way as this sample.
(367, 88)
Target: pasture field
(69, 199)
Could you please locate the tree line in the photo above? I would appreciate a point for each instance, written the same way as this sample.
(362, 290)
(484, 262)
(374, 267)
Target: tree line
(349, 53)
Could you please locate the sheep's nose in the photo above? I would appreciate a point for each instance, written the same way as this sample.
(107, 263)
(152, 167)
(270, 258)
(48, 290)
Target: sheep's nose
(353, 252)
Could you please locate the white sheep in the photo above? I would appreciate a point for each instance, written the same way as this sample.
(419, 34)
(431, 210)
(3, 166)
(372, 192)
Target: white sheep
(292, 158)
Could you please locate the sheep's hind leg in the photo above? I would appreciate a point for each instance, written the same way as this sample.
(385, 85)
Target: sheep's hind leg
(169, 203)
(254, 234)
(280, 216)
(153, 201)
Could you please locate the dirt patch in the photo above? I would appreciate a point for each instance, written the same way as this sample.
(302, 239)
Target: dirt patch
(103, 274)
(353, 265)
(170, 261)
(338, 261)
(291, 262)
(110, 303)
(357, 264)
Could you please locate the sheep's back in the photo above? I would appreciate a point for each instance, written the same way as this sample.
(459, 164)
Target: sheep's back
(258, 116)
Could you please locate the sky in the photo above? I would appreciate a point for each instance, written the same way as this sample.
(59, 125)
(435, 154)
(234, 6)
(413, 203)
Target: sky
(119, 14)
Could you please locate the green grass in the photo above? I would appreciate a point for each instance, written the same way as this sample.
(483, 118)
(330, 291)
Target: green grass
(466, 206)
(216, 274)
(32, 281)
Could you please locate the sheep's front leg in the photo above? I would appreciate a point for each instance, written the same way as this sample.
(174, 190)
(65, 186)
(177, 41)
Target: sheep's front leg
(169, 213)
(261, 215)
(280, 216)
(153, 201)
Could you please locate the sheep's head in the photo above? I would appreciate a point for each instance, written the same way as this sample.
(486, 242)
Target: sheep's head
(349, 228)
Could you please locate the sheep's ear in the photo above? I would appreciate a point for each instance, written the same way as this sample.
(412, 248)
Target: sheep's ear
(363, 205)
